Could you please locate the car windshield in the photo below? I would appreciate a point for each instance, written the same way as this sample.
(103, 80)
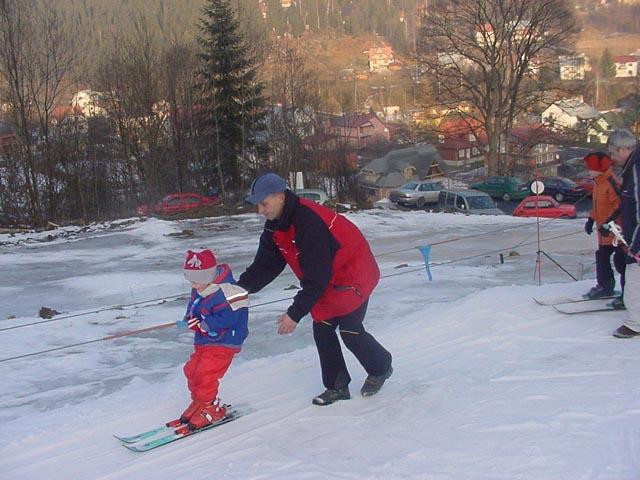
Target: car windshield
(568, 183)
(409, 186)
(480, 202)
(520, 185)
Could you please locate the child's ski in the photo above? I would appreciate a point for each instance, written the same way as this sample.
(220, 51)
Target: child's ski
(159, 436)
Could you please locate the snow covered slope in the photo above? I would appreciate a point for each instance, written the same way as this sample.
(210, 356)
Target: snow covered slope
(487, 384)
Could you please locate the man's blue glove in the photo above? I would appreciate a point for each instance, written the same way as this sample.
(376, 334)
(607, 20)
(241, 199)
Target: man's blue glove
(588, 226)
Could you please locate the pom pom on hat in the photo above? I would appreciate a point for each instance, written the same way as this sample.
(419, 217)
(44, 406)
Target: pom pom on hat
(200, 267)
(597, 162)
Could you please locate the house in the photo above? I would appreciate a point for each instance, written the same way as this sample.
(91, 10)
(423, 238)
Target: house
(383, 174)
(626, 66)
(90, 102)
(454, 60)
(380, 58)
(392, 113)
(534, 146)
(358, 130)
(573, 67)
(461, 152)
(599, 129)
(485, 35)
(568, 113)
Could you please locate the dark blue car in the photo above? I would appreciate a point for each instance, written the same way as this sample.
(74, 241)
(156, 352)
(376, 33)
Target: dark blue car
(563, 189)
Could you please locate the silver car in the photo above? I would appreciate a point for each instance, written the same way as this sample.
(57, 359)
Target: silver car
(416, 193)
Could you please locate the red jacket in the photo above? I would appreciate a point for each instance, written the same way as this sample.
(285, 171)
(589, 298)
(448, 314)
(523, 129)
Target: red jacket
(330, 256)
(605, 203)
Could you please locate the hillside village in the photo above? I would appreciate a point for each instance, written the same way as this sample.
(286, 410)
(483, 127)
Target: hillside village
(387, 113)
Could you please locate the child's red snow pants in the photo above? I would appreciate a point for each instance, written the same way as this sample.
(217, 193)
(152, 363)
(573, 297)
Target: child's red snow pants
(206, 366)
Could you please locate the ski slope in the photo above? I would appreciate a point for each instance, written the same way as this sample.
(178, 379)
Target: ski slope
(487, 384)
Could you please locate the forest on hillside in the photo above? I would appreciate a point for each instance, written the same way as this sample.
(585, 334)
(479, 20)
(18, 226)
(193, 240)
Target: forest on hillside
(396, 20)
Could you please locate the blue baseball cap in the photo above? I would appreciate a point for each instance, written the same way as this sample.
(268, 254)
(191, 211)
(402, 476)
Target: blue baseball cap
(264, 186)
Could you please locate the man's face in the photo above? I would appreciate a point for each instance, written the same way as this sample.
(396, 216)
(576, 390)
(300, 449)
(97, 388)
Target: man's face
(619, 155)
(271, 207)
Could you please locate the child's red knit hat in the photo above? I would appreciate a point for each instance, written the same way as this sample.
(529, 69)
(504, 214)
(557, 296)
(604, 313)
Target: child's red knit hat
(200, 267)
(597, 161)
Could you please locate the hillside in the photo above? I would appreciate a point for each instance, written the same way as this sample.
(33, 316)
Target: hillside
(488, 385)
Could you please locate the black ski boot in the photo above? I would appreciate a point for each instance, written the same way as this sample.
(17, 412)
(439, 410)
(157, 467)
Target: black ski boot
(598, 292)
(330, 396)
(373, 383)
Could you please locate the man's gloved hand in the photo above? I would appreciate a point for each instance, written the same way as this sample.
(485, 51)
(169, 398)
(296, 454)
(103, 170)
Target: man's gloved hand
(588, 226)
(604, 230)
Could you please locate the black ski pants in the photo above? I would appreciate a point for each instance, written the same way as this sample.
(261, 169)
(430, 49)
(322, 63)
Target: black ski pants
(375, 359)
(604, 272)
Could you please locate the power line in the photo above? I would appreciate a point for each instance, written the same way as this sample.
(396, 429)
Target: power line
(167, 325)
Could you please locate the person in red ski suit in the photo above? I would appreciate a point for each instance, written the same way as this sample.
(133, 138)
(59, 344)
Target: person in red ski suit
(218, 313)
(605, 208)
(337, 273)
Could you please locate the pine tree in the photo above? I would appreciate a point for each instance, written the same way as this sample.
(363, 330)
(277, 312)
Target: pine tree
(607, 67)
(231, 96)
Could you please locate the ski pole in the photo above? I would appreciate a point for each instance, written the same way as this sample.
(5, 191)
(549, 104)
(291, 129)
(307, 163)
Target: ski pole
(618, 239)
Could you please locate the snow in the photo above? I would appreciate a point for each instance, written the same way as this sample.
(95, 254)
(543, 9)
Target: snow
(487, 384)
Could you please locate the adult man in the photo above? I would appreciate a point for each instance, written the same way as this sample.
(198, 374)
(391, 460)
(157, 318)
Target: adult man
(622, 149)
(337, 273)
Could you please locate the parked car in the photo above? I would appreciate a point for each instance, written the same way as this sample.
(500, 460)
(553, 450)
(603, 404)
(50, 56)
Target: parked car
(506, 188)
(587, 184)
(467, 201)
(544, 206)
(175, 203)
(562, 188)
(315, 194)
(416, 193)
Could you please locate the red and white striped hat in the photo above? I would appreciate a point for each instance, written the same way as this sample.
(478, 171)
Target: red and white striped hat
(200, 267)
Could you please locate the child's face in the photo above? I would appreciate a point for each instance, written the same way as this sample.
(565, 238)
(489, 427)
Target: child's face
(594, 174)
(199, 286)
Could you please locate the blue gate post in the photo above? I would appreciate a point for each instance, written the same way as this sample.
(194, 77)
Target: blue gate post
(425, 250)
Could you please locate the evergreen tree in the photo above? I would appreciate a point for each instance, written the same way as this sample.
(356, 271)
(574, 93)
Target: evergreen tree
(607, 67)
(231, 96)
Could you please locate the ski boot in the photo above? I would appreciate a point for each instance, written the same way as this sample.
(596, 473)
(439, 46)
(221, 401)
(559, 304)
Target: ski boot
(597, 292)
(210, 413)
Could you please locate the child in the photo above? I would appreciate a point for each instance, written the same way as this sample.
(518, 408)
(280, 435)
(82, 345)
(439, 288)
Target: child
(605, 208)
(218, 313)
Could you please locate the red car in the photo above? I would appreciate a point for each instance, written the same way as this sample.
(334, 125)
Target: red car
(178, 203)
(546, 207)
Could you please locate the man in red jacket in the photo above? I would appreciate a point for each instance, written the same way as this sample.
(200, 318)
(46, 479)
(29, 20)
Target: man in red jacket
(337, 273)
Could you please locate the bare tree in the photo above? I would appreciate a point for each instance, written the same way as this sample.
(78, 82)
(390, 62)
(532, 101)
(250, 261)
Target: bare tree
(36, 63)
(294, 94)
(483, 57)
(131, 78)
(179, 67)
